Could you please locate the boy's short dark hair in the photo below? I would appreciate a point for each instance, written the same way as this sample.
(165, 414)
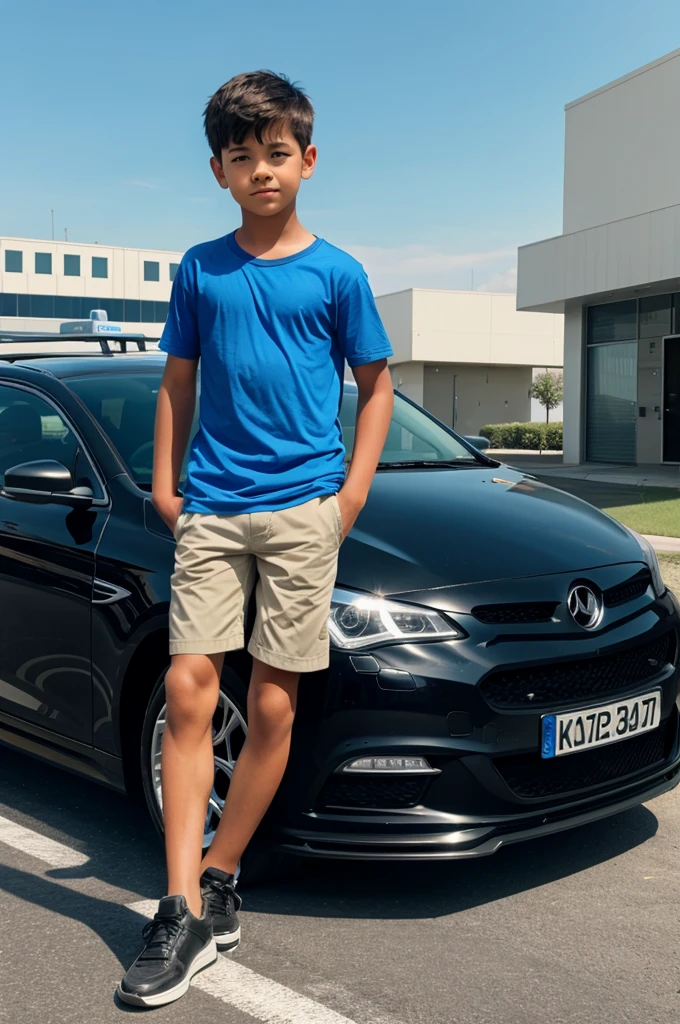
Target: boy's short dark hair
(254, 102)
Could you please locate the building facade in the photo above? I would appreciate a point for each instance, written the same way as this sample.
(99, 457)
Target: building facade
(43, 284)
(468, 357)
(615, 271)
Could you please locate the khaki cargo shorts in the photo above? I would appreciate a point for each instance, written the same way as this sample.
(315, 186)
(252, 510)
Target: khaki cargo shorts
(290, 556)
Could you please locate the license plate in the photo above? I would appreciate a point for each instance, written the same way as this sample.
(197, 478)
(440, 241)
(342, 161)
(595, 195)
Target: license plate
(594, 727)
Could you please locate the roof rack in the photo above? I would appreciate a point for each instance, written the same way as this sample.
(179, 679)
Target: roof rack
(51, 344)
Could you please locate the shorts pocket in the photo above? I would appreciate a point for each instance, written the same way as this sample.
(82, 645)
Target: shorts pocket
(340, 527)
(179, 523)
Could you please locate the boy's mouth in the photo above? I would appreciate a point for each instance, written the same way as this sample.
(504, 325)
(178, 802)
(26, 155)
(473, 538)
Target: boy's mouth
(265, 192)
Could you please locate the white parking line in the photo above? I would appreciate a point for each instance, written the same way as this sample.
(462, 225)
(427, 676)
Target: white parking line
(231, 982)
(262, 998)
(36, 845)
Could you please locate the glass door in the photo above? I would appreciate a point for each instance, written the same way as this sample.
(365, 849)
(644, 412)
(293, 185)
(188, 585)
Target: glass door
(611, 423)
(671, 399)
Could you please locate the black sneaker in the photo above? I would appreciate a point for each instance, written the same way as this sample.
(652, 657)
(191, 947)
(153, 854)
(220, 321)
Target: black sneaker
(178, 945)
(217, 889)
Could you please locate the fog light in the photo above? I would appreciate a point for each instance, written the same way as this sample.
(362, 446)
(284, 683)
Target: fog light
(393, 765)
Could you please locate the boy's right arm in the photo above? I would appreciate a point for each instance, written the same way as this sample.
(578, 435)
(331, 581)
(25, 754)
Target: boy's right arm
(174, 415)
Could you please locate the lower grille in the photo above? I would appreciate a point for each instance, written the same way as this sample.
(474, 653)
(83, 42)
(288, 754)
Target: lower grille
(377, 793)
(531, 777)
(571, 682)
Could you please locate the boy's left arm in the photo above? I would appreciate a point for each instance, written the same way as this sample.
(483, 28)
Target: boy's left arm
(374, 411)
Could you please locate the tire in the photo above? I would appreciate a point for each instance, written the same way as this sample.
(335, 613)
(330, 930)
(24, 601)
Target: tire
(262, 861)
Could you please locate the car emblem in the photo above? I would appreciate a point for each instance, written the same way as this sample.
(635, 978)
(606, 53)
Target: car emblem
(585, 607)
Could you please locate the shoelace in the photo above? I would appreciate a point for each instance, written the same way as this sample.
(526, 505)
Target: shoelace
(219, 895)
(160, 934)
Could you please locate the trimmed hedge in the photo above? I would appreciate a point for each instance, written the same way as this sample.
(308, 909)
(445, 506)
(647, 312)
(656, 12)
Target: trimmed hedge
(535, 436)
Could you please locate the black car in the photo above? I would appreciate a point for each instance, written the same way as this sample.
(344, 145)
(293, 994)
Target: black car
(503, 659)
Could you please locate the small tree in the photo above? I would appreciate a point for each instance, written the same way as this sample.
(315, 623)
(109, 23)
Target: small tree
(548, 389)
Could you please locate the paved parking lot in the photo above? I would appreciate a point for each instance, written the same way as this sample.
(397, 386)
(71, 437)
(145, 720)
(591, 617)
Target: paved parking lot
(577, 928)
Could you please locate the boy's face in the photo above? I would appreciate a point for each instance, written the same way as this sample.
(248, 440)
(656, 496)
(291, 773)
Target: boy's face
(264, 177)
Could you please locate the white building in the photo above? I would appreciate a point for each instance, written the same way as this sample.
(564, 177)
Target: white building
(615, 270)
(468, 356)
(43, 284)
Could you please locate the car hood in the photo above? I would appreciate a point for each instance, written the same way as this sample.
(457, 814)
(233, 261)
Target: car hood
(426, 528)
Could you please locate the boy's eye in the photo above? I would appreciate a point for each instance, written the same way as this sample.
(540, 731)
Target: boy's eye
(237, 159)
(279, 153)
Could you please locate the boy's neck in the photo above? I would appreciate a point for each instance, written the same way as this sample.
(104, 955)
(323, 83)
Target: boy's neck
(273, 237)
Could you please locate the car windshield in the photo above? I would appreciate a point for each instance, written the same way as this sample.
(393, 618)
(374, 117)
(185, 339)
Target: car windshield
(125, 407)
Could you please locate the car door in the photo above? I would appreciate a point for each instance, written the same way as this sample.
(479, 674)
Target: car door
(46, 572)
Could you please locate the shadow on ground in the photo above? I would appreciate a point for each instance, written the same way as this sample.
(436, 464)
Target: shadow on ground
(125, 852)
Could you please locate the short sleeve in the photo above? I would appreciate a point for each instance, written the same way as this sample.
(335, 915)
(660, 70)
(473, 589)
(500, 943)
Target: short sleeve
(360, 332)
(180, 335)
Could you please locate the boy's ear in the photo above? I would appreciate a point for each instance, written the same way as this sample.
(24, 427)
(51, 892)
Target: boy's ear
(309, 161)
(216, 168)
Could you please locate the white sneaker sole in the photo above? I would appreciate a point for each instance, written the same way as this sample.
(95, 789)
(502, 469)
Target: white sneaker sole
(228, 940)
(206, 957)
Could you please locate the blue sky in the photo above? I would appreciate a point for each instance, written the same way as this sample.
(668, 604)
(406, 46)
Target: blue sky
(439, 123)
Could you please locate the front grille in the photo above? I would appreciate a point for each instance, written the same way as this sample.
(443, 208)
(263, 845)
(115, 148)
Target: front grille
(531, 777)
(627, 591)
(517, 613)
(364, 791)
(573, 682)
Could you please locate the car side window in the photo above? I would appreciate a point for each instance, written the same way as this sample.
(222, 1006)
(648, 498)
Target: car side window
(31, 428)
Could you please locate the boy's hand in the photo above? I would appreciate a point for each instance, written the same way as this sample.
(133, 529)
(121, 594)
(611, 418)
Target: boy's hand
(351, 504)
(169, 510)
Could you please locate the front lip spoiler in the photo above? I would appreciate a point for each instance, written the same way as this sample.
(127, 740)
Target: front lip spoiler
(465, 843)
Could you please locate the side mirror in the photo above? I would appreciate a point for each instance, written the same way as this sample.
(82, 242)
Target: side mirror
(480, 443)
(45, 482)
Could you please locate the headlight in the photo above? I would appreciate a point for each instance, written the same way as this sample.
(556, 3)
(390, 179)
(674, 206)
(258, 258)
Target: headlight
(649, 555)
(360, 620)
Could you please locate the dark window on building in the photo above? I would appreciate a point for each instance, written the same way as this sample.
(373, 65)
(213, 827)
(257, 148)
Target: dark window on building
(174, 267)
(114, 307)
(614, 321)
(655, 316)
(8, 304)
(71, 266)
(14, 261)
(76, 307)
(43, 263)
(42, 305)
(67, 307)
(675, 323)
(100, 266)
(152, 270)
(133, 311)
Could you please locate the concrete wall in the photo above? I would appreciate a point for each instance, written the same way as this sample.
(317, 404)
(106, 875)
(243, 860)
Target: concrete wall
(396, 312)
(125, 271)
(650, 395)
(574, 383)
(484, 394)
(480, 327)
(408, 379)
(622, 150)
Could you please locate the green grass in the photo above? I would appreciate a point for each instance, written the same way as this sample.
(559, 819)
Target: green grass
(657, 512)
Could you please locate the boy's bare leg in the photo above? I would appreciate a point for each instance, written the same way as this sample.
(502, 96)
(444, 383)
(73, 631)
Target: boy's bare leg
(192, 688)
(260, 766)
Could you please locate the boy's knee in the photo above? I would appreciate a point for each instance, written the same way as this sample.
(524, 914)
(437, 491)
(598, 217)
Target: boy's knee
(270, 711)
(190, 693)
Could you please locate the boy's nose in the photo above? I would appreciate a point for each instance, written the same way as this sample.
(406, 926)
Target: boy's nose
(261, 172)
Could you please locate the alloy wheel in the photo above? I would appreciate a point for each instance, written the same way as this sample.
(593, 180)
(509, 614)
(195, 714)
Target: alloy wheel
(229, 733)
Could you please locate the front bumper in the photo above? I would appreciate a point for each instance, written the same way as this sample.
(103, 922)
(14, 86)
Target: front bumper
(475, 804)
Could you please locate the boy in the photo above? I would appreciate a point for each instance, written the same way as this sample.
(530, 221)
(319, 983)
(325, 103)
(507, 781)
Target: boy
(272, 312)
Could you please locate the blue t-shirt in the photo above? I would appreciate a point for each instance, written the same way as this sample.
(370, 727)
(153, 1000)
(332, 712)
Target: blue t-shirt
(272, 337)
